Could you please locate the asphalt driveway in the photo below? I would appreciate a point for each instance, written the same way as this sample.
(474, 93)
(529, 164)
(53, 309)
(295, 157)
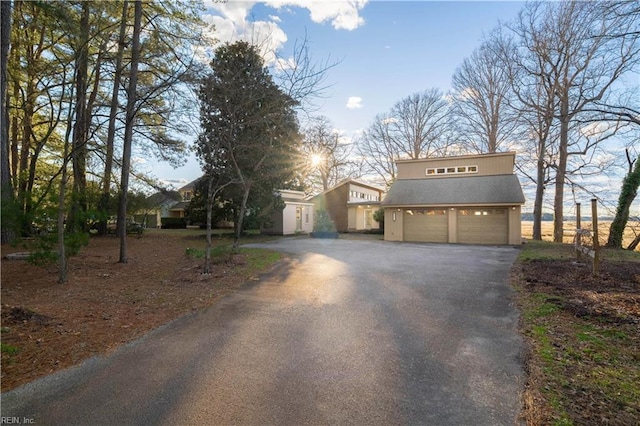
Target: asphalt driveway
(344, 332)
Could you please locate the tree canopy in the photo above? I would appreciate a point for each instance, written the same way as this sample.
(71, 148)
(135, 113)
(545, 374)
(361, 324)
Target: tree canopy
(250, 137)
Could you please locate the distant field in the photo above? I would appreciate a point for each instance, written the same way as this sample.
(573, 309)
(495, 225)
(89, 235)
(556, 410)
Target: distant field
(570, 230)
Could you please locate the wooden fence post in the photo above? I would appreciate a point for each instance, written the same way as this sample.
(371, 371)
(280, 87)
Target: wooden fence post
(578, 232)
(596, 242)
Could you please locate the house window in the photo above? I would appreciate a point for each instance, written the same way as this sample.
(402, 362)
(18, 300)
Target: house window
(452, 170)
(306, 218)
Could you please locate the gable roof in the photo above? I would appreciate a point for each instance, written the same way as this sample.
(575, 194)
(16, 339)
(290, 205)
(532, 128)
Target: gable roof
(190, 186)
(162, 197)
(478, 190)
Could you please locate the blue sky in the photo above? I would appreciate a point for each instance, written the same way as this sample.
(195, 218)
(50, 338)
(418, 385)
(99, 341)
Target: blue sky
(387, 49)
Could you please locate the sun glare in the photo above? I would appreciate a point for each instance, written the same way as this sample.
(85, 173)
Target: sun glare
(316, 160)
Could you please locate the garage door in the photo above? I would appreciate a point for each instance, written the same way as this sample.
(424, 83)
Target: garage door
(426, 225)
(483, 226)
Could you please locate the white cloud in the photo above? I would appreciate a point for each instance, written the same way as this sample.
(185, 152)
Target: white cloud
(231, 24)
(282, 64)
(268, 36)
(344, 15)
(354, 102)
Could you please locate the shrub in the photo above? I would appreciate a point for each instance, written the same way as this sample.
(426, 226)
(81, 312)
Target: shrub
(378, 216)
(174, 223)
(323, 223)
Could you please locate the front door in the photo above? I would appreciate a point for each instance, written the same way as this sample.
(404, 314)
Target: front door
(298, 219)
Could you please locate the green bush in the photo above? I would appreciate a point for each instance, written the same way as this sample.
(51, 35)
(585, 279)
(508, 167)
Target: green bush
(323, 223)
(378, 216)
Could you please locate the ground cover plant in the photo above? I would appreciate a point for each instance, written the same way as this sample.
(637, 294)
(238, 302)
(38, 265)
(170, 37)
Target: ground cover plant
(48, 326)
(582, 336)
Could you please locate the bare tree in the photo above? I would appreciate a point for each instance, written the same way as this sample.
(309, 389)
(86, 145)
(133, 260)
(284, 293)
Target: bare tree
(577, 65)
(327, 158)
(303, 78)
(482, 93)
(416, 127)
(377, 150)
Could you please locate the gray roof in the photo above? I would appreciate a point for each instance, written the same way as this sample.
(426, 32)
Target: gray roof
(477, 190)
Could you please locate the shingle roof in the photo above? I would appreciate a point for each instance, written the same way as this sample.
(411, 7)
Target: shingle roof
(478, 190)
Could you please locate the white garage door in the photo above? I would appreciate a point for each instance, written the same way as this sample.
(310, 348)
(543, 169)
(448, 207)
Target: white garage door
(483, 226)
(426, 225)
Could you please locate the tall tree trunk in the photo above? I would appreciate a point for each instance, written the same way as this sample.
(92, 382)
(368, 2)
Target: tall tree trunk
(128, 131)
(539, 198)
(62, 253)
(239, 224)
(113, 113)
(628, 193)
(80, 131)
(6, 188)
(561, 170)
(15, 126)
(210, 200)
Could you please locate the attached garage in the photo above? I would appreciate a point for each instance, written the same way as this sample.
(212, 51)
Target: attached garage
(426, 225)
(474, 199)
(483, 226)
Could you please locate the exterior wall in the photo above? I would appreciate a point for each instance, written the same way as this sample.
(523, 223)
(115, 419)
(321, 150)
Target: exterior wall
(335, 203)
(285, 222)
(357, 220)
(347, 218)
(353, 218)
(488, 165)
(359, 194)
(515, 225)
(289, 219)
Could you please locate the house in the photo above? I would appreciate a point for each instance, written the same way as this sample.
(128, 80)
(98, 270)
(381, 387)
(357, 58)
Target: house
(186, 194)
(295, 217)
(473, 199)
(350, 205)
(165, 204)
(158, 206)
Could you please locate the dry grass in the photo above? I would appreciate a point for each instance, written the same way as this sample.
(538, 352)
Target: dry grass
(570, 230)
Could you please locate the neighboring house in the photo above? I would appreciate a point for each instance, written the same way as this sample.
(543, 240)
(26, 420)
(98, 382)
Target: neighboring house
(350, 205)
(166, 204)
(474, 199)
(186, 194)
(295, 217)
(159, 206)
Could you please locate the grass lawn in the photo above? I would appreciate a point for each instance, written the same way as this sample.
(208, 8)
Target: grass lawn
(582, 336)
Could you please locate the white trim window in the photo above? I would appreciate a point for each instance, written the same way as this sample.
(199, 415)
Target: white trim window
(455, 170)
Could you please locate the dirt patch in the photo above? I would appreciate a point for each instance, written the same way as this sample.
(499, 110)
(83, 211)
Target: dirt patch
(614, 294)
(583, 340)
(48, 326)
